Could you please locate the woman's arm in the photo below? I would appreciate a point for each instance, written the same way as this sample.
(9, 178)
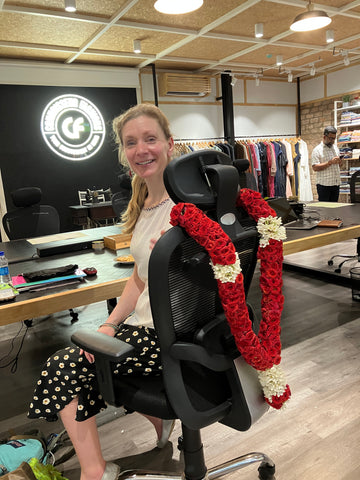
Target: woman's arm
(125, 305)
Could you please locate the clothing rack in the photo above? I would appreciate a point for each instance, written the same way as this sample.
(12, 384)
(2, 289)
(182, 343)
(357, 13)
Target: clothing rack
(267, 136)
(198, 139)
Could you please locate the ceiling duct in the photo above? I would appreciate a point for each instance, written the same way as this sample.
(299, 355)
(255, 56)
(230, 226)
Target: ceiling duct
(184, 85)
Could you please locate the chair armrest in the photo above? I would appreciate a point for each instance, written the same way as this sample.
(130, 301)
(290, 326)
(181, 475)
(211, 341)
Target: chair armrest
(198, 354)
(98, 343)
(106, 351)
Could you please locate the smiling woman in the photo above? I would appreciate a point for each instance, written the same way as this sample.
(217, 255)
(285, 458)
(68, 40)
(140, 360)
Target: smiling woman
(67, 384)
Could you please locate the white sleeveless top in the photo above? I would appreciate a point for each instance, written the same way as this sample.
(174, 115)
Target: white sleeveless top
(149, 225)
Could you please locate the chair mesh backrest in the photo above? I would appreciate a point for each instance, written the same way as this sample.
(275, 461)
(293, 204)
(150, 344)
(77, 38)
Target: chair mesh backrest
(185, 305)
(193, 290)
(30, 222)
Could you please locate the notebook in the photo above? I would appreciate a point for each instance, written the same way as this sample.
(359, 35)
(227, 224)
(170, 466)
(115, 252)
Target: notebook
(290, 220)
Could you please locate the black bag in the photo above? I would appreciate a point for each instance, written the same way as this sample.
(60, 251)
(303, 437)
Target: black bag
(50, 273)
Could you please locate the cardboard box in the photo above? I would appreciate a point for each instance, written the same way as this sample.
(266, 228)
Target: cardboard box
(116, 242)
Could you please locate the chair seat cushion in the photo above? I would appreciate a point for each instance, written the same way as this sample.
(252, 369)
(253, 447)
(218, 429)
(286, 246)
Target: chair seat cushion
(144, 394)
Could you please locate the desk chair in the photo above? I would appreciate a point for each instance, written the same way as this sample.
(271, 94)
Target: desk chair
(83, 194)
(354, 198)
(119, 203)
(31, 219)
(204, 380)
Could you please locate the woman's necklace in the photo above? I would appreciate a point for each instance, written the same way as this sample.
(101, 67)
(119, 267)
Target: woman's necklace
(148, 209)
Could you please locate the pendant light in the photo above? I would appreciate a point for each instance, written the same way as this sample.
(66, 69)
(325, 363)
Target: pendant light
(176, 7)
(310, 20)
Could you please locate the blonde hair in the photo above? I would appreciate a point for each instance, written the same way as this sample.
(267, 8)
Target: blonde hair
(139, 188)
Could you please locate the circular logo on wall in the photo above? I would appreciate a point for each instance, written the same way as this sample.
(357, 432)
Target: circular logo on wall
(73, 127)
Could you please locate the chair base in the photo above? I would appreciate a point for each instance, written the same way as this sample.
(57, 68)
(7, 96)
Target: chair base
(266, 470)
(348, 258)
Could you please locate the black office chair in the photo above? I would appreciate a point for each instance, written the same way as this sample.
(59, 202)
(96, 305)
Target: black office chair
(119, 202)
(31, 219)
(354, 198)
(204, 378)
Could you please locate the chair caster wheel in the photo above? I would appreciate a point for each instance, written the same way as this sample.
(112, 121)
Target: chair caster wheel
(330, 262)
(266, 471)
(338, 270)
(74, 316)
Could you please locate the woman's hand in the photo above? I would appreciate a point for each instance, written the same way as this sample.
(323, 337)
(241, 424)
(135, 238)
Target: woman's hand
(154, 240)
(108, 331)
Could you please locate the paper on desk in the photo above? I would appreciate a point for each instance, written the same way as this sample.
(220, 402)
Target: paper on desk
(55, 238)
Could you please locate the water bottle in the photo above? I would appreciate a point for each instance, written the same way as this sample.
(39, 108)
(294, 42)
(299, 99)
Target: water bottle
(4, 269)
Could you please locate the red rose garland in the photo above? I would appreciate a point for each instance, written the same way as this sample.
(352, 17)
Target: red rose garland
(262, 351)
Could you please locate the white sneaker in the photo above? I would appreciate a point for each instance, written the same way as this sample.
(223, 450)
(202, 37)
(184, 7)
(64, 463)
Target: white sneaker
(112, 471)
(167, 428)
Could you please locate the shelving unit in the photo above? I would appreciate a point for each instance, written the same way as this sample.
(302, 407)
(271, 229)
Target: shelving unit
(353, 161)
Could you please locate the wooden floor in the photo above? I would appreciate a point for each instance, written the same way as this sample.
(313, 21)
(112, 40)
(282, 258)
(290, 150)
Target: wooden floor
(316, 437)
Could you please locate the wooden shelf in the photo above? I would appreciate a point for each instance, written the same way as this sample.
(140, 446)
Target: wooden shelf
(349, 141)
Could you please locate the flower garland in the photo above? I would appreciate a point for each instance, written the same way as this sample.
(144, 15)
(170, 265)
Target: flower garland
(262, 351)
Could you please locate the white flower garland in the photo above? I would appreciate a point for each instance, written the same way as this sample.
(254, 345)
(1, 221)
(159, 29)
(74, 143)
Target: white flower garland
(227, 273)
(273, 381)
(270, 227)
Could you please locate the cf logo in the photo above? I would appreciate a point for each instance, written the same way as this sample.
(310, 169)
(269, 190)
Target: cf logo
(72, 128)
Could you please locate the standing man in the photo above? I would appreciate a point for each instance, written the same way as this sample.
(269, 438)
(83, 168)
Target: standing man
(326, 162)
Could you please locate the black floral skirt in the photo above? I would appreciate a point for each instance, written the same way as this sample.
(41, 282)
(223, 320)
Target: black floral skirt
(67, 375)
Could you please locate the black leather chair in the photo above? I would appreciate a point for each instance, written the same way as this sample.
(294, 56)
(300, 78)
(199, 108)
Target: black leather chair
(30, 219)
(204, 379)
(354, 198)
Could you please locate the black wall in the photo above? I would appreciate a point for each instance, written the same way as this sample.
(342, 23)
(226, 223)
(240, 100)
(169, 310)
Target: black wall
(26, 160)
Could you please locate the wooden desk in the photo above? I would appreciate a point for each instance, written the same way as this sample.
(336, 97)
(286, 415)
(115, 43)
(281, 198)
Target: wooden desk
(111, 278)
(107, 284)
(301, 240)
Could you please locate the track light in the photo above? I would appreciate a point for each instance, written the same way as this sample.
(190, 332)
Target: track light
(176, 7)
(346, 60)
(257, 80)
(312, 70)
(329, 36)
(279, 60)
(233, 81)
(310, 20)
(137, 46)
(259, 30)
(70, 5)
(290, 77)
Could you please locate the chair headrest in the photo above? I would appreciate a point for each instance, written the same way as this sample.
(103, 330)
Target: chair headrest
(26, 196)
(242, 164)
(189, 178)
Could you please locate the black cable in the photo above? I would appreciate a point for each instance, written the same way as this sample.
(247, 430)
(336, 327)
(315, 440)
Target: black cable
(14, 361)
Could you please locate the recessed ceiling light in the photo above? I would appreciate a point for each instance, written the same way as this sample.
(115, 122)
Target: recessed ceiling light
(176, 7)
